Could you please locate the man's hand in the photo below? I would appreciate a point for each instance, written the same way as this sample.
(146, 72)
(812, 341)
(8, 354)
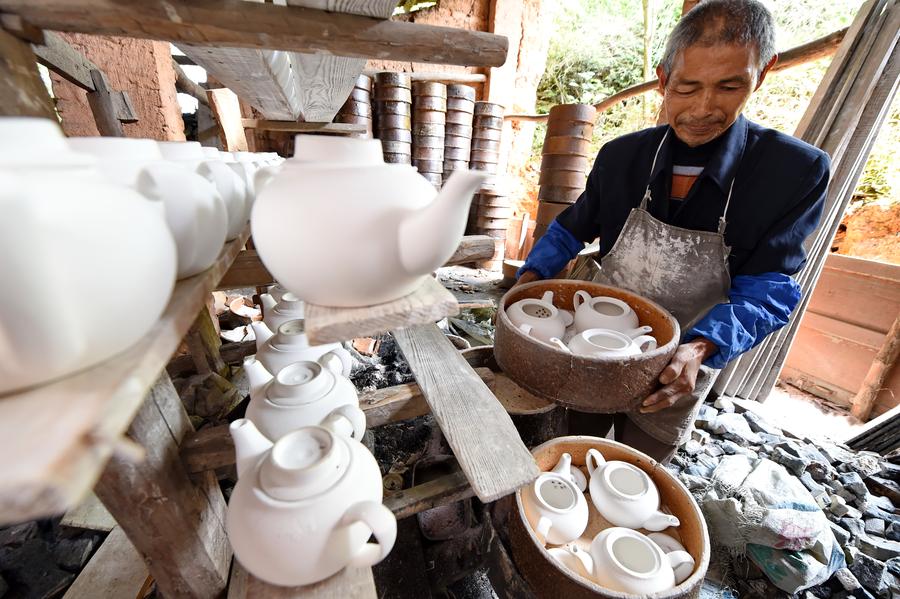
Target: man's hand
(527, 277)
(680, 376)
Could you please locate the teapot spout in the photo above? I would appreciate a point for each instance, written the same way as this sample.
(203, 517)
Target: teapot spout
(258, 375)
(262, 333)
(249, 445)
(268, 302)
(430, 235)
(660, 521)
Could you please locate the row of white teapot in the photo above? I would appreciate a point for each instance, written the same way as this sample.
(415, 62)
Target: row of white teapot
(599, 327)
(93, 240)
(309, 493)
(620, 558)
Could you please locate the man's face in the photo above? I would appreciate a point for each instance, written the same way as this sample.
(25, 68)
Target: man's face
(707, 89)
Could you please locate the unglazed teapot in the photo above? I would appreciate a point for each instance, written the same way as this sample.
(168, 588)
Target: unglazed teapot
(599, 343)
(305, 507)
(539, 318)
(290, 345)
(303, 394)
(309, 221)
(554, 507)
(627, 561)
(605, 313)
(277, 311)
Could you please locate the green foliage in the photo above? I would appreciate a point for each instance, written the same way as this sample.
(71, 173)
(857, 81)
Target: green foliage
(410, 6)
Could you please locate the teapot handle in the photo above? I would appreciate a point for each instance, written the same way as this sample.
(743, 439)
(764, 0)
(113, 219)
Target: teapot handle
(333, 361)
(543, 527)
(645, 342)
(346, 360)
(581, 296)
(558, 343)
(346, 420)
(383, 525)
(567, 317)
(594, 459)
(526, 328)
(682, 563)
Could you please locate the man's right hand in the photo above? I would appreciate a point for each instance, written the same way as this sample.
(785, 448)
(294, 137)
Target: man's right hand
(527, 277)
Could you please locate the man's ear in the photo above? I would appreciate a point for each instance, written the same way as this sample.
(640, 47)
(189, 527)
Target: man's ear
(765, 71)
(661, 76)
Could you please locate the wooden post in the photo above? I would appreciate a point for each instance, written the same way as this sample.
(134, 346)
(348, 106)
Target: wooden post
(103, 106)
(226, 110)
(204, 344)
(878, 373)
(22, 93)
(176, 524)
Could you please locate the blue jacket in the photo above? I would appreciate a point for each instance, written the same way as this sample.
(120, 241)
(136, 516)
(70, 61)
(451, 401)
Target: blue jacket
(780, 184)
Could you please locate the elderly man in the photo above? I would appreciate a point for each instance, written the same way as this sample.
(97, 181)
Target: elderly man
(706, 215)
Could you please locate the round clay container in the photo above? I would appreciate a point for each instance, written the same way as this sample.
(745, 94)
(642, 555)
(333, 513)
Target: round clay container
(563, 178)
(397, 158)
(458, 90)
(550, 579)
(484, 222)
(455, 141)
(454, 165)
(429, 88)
(456, 154)
(504, 212)
(429, 116)
(396, 147)
(394, 121)
(490, 167)
(487, 122)
(352, 119)
(488, 145)
(489, 109)
(548, 211)
(492, 201)
(570, 129)
(360, 95)
(602, 384)
(428, 166)
(430, 103)
(483, 133)
(363, 82)
(391, 78)
(428, 129)
(434, 178)
(564, 162)
(562, 195)
(484, 156)
(463, 119)
(458, 130)
(393, 94)
(401, 135)
(460, 105)
(573, 112)
(430, 154)
(566, 145)
(386, 107)
(429, 141)
(357, 108)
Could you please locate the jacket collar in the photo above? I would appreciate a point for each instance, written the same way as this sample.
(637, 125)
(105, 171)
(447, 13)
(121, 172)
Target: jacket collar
(722, 167)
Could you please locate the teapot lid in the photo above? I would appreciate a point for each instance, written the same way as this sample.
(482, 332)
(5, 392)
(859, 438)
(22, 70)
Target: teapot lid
(290, 303)
(348, 151)
(304, 463)
(37, 142)
(290, 335)
(300, 383)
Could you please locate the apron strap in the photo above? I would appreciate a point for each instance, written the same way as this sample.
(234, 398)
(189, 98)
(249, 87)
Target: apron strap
(645, 201)
(723, 221)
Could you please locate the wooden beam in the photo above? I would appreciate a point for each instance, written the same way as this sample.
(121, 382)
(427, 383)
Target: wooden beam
(176, 524)
(116, 570)
(186, 85)
(104, 107)
(818, 48)
(293, 126)
(441, 77)
(213, 448)
(478, 429)
(237, 24)
(472, 248)
(441, 491)
(878, 373)
(429, 303)
(226, 109)
(185, 61)
(22, 93)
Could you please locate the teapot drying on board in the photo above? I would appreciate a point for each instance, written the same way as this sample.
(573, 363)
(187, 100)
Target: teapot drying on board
(599, 343)
(88, 265)
(625, 495)
(348, 193)
(605, 313)
(290, 345)
(305, 507)
(627, 561)
(539, 318)
(303, 394)
(276, 312)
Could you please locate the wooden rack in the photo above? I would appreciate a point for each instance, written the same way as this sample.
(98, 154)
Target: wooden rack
(66, 437)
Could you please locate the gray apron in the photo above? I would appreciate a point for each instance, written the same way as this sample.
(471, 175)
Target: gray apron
(683, 270)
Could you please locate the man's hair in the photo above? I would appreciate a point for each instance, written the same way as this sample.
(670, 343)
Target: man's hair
(712, 22)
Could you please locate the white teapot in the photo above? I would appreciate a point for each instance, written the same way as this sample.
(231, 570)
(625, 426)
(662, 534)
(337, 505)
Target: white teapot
(608, 343)
(194, 211)
(625, 495)
(336, 190)
(539, 318)
(230, 185)
(564, 467)
(554, 507)
(627, 561)
(305, 507)
(605, 313)
(87, 265)
(290, 345)
(276, 312)
(303, 394)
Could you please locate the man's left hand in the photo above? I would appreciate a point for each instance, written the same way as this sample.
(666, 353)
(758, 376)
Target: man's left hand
(680, 376)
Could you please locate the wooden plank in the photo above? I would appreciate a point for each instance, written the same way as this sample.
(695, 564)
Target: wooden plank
(58, 437)
(103, 106)
(22, 93)
(165, 514)
(186, 85)
(331, 128)
(878, 373)
(352, 583)
(237, 24)
(478, 429)
(430, 303)
(472, 248)
(116, 570)
(865, 293)
(441, 491)
(226, 109)
(213, 447)
(90, 514)
(57, 55)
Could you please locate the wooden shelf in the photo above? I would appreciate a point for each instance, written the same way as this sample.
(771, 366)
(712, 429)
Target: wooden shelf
(292, 126)
(428, 304)
(58, 437)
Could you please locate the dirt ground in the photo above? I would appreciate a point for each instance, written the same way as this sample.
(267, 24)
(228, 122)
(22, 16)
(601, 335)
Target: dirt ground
(871, 230)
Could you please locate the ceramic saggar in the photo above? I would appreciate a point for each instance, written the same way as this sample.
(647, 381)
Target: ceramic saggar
(305, 507)
(539, 318)
(628, 562)
(625, 495)
(87, 265)
(348, 193)
(194, 212)
(290, 345)
(303, 394)
(605, 342)
(556, 510)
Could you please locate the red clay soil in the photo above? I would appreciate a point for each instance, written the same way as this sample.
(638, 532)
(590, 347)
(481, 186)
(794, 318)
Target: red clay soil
(871, 231)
